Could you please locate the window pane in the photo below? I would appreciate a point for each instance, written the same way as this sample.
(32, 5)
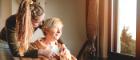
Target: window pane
(126, 42)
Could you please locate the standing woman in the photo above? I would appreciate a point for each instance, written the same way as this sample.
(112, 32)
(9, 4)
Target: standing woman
(19, 28)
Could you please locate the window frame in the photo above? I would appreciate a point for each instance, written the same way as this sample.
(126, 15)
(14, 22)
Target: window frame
(112, 33)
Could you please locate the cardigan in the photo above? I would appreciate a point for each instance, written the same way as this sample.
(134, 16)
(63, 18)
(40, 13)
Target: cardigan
(8, 34)
(54, 50)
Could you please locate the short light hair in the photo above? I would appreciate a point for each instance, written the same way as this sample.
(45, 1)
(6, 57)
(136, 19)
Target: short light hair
(51, 22)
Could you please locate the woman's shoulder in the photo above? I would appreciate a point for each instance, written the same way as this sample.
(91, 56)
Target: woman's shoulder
(11, 21)
(11, 18)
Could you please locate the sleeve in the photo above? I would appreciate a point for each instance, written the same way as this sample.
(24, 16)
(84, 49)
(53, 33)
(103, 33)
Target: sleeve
(11, 38)
(2, 34)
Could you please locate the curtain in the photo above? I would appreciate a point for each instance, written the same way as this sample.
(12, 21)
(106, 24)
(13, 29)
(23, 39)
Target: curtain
(92, 27)
(92, 23)
(97, 18)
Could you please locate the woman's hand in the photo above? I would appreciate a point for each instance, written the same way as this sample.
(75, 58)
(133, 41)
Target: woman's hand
(64, 53)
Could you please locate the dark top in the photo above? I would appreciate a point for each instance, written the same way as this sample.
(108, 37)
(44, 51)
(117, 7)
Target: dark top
(8, 34)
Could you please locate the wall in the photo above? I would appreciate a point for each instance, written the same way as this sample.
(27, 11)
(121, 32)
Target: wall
(0, 15)
(15, 6)
(5, 11)
(72, 12)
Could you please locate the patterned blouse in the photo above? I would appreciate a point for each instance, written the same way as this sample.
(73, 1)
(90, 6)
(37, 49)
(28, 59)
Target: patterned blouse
(55, 50)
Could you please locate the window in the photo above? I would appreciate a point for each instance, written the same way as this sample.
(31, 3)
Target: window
(124, 26)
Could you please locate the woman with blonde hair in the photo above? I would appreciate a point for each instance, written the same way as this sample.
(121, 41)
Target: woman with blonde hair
(19, 28)
(56, 50)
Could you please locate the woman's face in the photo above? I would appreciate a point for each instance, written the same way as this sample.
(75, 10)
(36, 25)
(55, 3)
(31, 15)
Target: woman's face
(38, 21)
(55, 32)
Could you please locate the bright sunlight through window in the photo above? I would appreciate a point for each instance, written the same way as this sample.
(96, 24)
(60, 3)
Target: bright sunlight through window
(126, 27)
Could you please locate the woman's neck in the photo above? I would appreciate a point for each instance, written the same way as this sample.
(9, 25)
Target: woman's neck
(48, 39)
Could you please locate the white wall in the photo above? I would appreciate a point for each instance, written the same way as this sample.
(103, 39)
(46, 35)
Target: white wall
(0, 15)
(15, 6)
(5, 11)
(72, 12)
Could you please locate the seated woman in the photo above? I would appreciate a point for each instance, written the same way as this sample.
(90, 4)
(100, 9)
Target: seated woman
(52, 29)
